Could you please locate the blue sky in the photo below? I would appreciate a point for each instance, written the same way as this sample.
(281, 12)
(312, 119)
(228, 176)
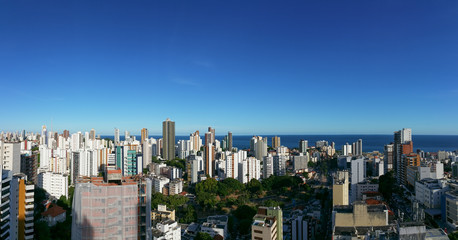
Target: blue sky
(252, 67)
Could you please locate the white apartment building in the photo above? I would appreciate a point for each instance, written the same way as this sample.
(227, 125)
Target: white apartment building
(248, 169)
(56, 184)
(159, 183)
(10, 156)
(167, 230)
(429, 192)
(268, 166)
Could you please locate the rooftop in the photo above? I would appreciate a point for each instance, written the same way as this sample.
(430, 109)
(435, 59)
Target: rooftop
(54, 210)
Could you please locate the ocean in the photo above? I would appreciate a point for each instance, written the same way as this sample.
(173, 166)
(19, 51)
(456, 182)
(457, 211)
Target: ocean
(427, 143)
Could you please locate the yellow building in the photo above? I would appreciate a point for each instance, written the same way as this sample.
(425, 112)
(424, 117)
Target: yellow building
(340, 189)
(162, 214)
(360, 215)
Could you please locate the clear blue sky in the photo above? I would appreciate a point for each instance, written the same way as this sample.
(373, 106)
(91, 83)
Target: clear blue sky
(252, 67)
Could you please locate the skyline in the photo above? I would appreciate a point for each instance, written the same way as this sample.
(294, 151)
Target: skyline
(252, 68)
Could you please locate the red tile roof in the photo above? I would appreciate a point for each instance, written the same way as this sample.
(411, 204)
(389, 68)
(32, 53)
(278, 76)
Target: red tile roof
(53, 211)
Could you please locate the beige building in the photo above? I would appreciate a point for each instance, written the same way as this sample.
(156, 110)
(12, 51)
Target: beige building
(360, 215)
(162, 214)
(168, 140)
(275, 142)
(268, 224)
(263, 228)
(340, 189)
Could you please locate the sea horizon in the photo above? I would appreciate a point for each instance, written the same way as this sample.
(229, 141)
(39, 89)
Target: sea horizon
(371, 142)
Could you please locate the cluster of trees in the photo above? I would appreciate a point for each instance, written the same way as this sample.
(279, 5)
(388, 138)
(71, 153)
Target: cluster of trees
(177, 162)
(172, 202)
(244, 215)
(387, 185)
(208, 190)
(61, 230)
(186, 213)
(229, 192)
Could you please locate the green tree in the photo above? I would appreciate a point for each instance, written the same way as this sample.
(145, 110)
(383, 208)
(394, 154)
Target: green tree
(254, 186)
(190, 215)
(244, 212)
(245, 226)
(203, 236)
(273, 203)
(41, 230)
(206, 199)
(386, 185)
(210, 185)
(453, 236)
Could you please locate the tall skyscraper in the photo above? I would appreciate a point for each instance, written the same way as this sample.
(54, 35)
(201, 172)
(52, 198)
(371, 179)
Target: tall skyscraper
(275, 142)
(209, 159)
(92, 134)
(358, 174)
(112, 207)
(168, 136)
(303, 145)
(116, 136)
(196, 142)
(340, 188)
(144, 136)
(229, 141)
(126, 135)
(401, 137)
(66, 134)
(208, 138)
(388, 160)
(359, 147)
(212, 131)
(21, 212)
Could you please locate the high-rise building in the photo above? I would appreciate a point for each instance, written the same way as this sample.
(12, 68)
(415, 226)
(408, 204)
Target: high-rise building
(346, 149)
(144, 136)
(268, 166)
(303, 145)
(196, 141)
(5, 206)
(209, 159)
(92, 134)
(168, 136)
(358, 174)
(116, 136)
(359, 147)
(268, 224)
(260, 149)
(11, 156)
(212, 131)
(402, 145)
(22, 207)
(388, 159)
(113, 207)
(275, 142)
(279, 165)
(340, 186)
(29, 167)
(194, 164)
(229, 141)
(66, 134)
(249, 168)
(44, 135)
(208, 138)
(55, 184)
(303, 228)
(126, 135)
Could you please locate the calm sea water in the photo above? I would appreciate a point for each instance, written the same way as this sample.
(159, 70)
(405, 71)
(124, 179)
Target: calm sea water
(427, 143)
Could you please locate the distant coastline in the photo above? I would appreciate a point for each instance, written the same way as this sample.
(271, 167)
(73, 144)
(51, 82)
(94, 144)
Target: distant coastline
(371, 142)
